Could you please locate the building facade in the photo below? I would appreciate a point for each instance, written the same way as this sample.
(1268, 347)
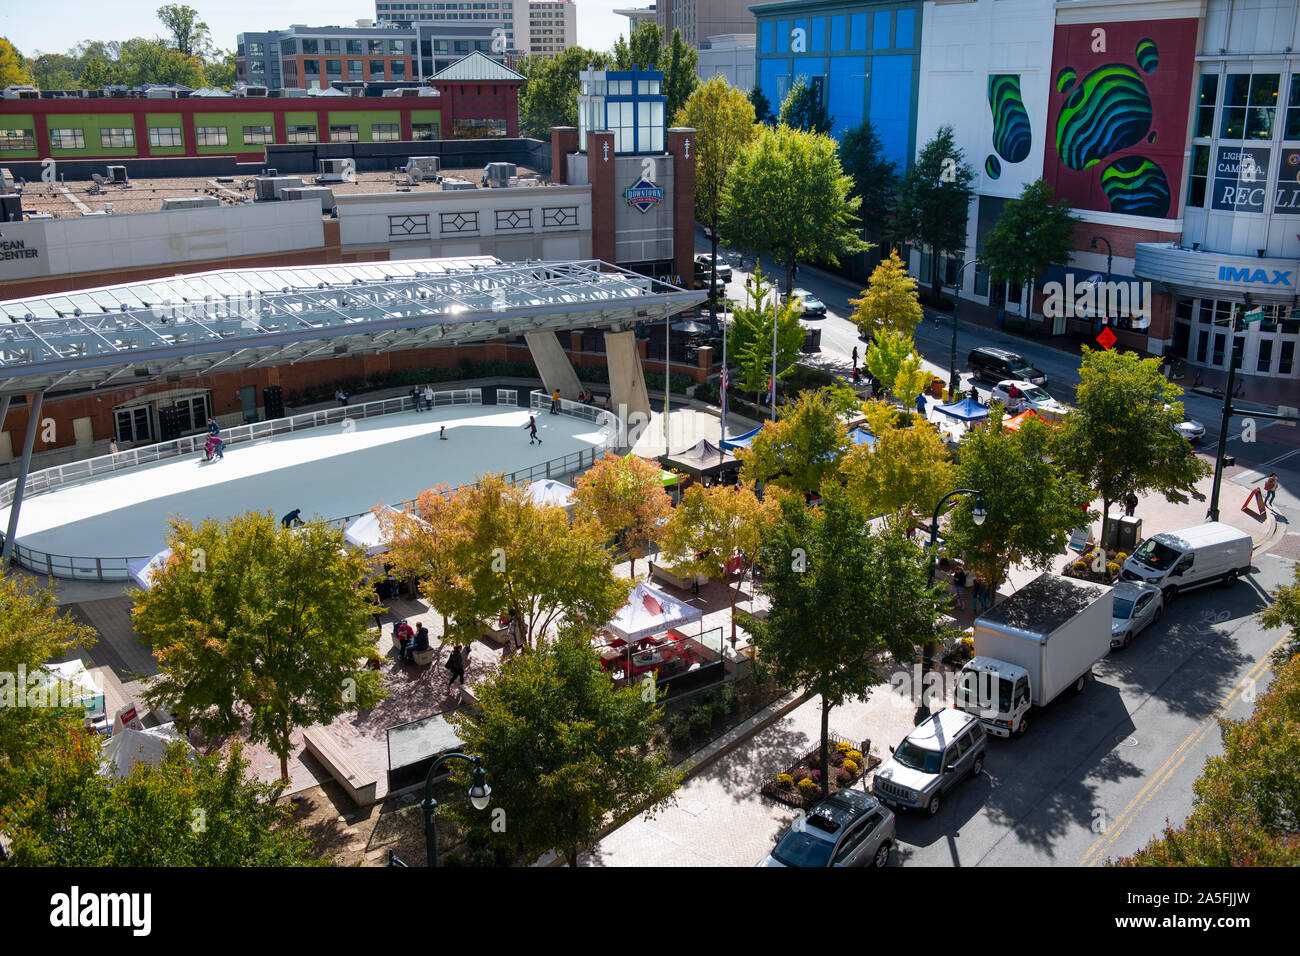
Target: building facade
(730, 56)
(698, 20)
(529, 27)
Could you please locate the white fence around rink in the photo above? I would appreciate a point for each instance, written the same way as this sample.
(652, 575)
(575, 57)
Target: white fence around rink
(115, 568)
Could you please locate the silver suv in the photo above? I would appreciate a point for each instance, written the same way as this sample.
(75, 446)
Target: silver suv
(931, 760)
(850, 828)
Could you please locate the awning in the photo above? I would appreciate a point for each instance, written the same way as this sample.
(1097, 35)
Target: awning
(142, 571)
(967, 410)
(665, 477)
(365, 532)
(860, 436)
(740, 441)
(650, 611)
(128, 747)
(1089, 297)
(705, 459)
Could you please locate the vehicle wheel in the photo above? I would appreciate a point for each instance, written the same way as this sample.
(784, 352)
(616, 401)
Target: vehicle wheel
(1229, 579)
(933, 806)
(881, 859)
(1081, 683)
(1128, 639)
(977, 767)
(1170, 593)
(1024, 726)
(1156, 617)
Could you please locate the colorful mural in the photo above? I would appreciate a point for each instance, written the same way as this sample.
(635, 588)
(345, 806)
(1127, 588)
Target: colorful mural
(1012, 135)
(1117, 117)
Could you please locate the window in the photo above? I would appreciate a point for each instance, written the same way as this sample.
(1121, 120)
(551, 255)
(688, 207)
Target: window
(290, 46)
(1250, 100)
(1198, 178)
(17, 139)
(354, 47)
(1264, 361)
(331, 46)
(255, 135)
(334, 67)
(311, 67)
(301, 134)
(376, 69)
(67, 139)
(376, 46)
(1286, 358)
(255, 49)
(397, 46)
(1292, 130)
(356, 69)
(343, 134)
(165, 136)
(424, 131)
(210, 135)
(310, 46)
(384, 132)
(133, 424)
(481, 128)
(1205, 105)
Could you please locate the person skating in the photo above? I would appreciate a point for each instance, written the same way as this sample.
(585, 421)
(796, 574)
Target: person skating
(292, 518)
(532, 430)
(1270, 489)
(442, 433)
(555, 401)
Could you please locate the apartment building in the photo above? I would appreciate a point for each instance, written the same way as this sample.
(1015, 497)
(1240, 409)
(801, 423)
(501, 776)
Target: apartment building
(539, 28)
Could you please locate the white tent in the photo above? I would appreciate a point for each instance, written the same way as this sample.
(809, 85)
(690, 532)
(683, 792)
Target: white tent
(366, 532)
(650, 611)
(128, 747)
(142, 571)
(547, 491)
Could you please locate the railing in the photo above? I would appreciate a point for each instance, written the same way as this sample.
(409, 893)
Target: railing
(507, 396)
(607, 421)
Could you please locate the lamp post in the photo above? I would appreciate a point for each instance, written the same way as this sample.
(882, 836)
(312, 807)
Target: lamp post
(479, 795)
(953, 380)
(978, 516)
(1109, 257)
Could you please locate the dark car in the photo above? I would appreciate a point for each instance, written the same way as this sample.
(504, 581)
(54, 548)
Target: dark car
(704, 265)
(994, 365)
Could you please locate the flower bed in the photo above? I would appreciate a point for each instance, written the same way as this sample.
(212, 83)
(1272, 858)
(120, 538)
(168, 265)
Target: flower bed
(801, 786)
(1085, 566)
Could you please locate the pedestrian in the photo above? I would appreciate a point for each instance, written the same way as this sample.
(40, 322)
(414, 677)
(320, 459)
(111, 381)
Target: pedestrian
(959, 587)
(428, 396)
(555, 401)
(979, 593)
(1270, 489)
(417, 398)
(1130, 504)
(403, 636)
(442, 433)
(857, 374)
(920, 404)
(532, 430)
(112, 446)
(855, 356)
(213, 427)
(515, 630)
(455, 664)
(218, 446)
(342, 397)
(292, 518)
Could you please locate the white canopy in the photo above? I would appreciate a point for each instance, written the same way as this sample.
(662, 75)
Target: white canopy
(650, 611)
(366, 532)
(82, 685)
(142, 571)
(547, 491)
(128, 747)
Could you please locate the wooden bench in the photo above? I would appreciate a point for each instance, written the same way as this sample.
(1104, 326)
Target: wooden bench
(360, 785)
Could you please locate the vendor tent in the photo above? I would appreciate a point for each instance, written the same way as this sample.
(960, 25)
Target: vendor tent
(740, 441)
(365, 532)
(79, 687)
(704, 460)
(650, 611)
(1014, 423)
(142, 569)
(967, 410)
(547, 491)
(128, 747)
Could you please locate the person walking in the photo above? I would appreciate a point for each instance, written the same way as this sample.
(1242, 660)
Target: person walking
(1130, 504)
(959, 587)
(532, 430)
(555, 401)
(855, 356)
(428, 396)
(456, 664)
(1270, 489)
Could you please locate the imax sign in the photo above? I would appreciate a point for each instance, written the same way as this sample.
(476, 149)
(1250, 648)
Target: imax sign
(1258, 276)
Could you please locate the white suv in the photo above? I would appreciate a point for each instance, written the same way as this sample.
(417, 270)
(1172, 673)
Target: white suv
(931, 760)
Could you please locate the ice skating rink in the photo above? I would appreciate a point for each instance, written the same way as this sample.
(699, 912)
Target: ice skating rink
(328, 472)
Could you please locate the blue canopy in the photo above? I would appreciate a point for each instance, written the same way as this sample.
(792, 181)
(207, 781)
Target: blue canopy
(861, 437)
(968, 410)
(740, 441)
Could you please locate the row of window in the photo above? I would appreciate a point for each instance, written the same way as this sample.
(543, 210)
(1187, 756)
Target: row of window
(441, 6)
(310, 46)
(1249, 106)
(355, 69)
(164, 136)
(1203, 326)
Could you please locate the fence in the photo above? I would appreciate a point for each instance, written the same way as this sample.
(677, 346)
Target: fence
(607, 421)
(507, 396)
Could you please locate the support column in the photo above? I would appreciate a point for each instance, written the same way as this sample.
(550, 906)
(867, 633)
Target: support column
(553, 365)
(564, 140)
(33, 423)
(681, 144)
(600, 173)
(626, 376)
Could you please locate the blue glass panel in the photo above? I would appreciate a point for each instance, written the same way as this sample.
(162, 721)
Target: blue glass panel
(837, 32)
(817, 35)
(880, 38)
(858, 31)
(782, 36)
(890, 108)
(846, 85)
(774, 80)
(903, 29)
(765, 37)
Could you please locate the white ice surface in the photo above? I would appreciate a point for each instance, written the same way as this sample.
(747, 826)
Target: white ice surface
(328, 472)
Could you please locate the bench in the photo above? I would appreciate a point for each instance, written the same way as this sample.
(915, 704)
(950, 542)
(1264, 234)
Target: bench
(661, 573)
(360, 785)
(424, 658)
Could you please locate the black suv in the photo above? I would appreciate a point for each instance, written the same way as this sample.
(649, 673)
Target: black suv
(996, 365)
(704, 265)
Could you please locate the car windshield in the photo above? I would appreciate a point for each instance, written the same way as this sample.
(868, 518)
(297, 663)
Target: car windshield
(975, 690)
(1123, 608)
(1035, 395)
(1156, 555)
(917, 758)
(1017, 363)
(799, 849)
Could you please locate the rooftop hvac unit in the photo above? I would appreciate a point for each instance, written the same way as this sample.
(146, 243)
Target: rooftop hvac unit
(322, 194)
(334, 170)
(429, 166)
(498, 174)
(117, 174)
(271, 172)
(6, 181)
(255, 91)
(453, 184)
(189, 202)
(264, 188)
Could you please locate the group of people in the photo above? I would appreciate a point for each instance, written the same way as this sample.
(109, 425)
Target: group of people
(410, 642)
(962, 580)
(213, 445)
(422, 397)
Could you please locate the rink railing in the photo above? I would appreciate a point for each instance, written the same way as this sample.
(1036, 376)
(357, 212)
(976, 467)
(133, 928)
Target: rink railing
(115, 568)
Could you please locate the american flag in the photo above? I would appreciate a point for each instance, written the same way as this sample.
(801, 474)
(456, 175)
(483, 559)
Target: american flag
(724, 378)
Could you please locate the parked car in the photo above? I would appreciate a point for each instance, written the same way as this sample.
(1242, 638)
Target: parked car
(1190, 429)
(994, 365)
(1177, 561)
(931, 760)
(1027, 396)
(813, 307)
(1136, 606)
(704, 265)
(850, 828)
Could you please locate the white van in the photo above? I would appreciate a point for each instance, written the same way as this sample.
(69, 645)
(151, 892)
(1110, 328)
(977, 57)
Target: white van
(1180, 560)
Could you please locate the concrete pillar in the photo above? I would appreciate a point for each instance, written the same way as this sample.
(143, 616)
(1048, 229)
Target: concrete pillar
(681, 144)
(626, 376)
(20, 485)
(553, 365)
(564, 140)
(600, 172)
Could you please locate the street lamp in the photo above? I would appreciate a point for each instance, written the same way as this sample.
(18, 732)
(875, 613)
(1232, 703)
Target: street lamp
(953, 380)
(977, 515)
(479, 795)
(1213, 513)
(1109, 256)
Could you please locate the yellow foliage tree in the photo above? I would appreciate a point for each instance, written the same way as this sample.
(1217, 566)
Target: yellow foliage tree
(889, 303)
(626, 497)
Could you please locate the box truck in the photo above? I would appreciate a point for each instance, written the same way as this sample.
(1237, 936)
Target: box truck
(1043, 639)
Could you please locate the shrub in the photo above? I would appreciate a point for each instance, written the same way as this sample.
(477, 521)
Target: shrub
(484, 856)
(784, 781)
(730, 698)
(807, 786)
(799, 774)
(1112, 569)
(843, 746)
(679, 731)
(850, 767)
(854, 755)
(816, 775)
(700, 720)
(842, 777)
(1120, 557)
(453, 859)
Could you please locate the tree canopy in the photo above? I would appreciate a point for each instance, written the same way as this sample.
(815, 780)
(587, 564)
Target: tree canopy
(800, 450)
(626, 498)
(906, 473)
(875, 179)
(762, 106)
(750, 342)
(1032, 232)
(803, 109)
(14, 68)
(934, 199)
(889, 303)
(550, 94)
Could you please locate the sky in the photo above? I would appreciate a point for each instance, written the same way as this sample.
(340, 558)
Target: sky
(57, 25)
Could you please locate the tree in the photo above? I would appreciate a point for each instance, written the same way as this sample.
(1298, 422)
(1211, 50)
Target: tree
(55, 71)
(564, 750)
(893, 361)
(845, 601)
(221, 70)
(711, 528)
(143, 61)
(723, 120)
(1121, 436)
(626, 497)
(906, 473)
(99, 73)
(1032, 232)
(642, 49)
(680, 80)
(875, 179)
(189, 34)
(253, 623)
(801, 450)
(889, 303)
(762, 106)
(803, 109)
(934, 199)
(786, 195)
(1031, 505)
(1285, 612)
(14, 68)
(550, 94)
(750, 343)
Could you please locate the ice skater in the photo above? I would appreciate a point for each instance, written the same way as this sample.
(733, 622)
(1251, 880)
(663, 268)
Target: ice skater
(342, 397)
(213, 446)
(292, 518)
(532, 430)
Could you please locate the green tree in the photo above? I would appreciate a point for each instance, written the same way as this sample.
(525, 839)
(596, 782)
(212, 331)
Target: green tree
(625, 497)
(189, 34)
(680, 80)
(801, 450)
(1121, 436)
(220, 70)
(803, 109)
(934, 199)
(98, 73)
(845, 602)
(143, 61)
(55, 71)
(641, 50)
(889, 303)
(875, 179)
(1032, 232)
(256, 625)
(550, 93)
(1031, 505)
(786, 195)
(762, 106)
(892, 359)
(1285, 612)
(906, 473)
(14, 68)
(565, 751)
(723, 120)
(750, 343)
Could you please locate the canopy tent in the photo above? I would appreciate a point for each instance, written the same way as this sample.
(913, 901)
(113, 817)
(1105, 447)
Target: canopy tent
(142, 570)
(740, 441)
(967, 410)
(547, 491)
(81, 684)
(366, 532)
(665, 477)
(860, 436)
(650, 611)
(704, 460)
(1014, 423)
(128, 747)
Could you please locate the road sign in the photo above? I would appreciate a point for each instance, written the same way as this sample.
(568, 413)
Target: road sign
(1254, 315)
(1107, 338)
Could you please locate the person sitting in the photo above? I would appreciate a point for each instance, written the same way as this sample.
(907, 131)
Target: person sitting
(403, 635)
(292, 518)
(419, 643)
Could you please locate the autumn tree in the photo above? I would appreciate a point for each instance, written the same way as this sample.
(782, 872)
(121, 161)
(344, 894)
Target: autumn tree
(893, 361)
(889, 303)
(14, 69)
(626, 497)
(906, 473)
(800, 450)
(259, 629)
(713, 527)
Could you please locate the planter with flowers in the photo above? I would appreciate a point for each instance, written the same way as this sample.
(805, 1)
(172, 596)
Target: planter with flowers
(1093, 565)
(801, 785)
